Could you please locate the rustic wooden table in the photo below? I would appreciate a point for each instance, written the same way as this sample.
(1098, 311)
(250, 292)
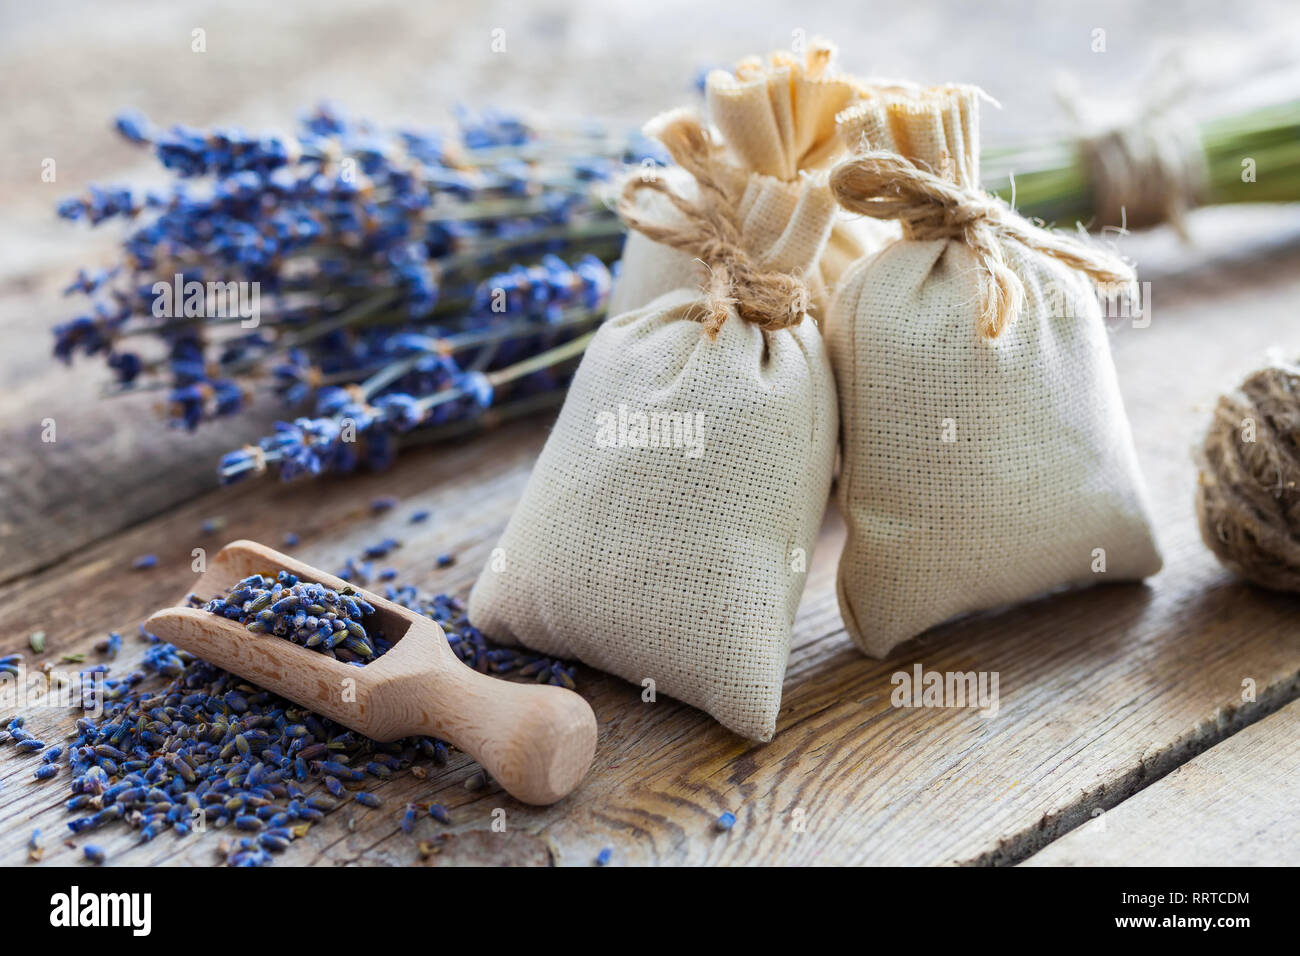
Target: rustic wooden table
(1127, 732)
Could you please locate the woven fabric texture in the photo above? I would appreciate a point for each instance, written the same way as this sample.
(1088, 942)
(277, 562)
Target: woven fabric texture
(977, 472)
(682, 561)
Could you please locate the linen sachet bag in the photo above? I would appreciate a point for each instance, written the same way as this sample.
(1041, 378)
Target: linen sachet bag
(987, 457)
(665, 530)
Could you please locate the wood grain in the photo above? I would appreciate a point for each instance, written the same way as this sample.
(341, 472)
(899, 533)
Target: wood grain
(1234, 805)
(1102, 691)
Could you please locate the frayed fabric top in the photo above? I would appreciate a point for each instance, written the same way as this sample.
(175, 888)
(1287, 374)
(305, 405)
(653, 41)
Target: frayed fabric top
(665, 532)
(776, 118)
(987, 457)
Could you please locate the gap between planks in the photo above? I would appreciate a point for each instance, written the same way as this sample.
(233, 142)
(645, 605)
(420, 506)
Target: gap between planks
(1233, 805)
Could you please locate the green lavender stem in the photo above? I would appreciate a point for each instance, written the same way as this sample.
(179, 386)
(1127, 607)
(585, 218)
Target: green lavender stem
(1052, 184)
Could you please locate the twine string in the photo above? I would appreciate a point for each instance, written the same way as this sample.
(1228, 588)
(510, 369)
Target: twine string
(885, 185)
(709, 231)
(1248, 499)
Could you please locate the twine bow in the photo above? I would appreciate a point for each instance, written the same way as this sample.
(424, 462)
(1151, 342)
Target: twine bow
(885, 185)
(709, 231)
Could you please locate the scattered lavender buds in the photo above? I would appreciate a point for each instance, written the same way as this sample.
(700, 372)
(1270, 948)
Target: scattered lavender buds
(93, 853)
(308, 614)
(382, 549)
(145, 562)
(179, 738)
(726, 821)
(355, 572)
(111, 645)
(604, 856)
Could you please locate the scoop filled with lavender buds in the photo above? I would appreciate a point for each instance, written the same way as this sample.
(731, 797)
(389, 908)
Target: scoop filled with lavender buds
(307, 613)
(185, 746)
(537, 742)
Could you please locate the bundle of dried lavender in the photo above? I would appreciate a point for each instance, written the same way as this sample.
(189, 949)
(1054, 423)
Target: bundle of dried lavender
(360, 272)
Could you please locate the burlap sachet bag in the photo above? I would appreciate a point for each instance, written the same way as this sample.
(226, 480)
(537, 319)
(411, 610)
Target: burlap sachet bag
(776, 117)
(675, 553)
(987, 457)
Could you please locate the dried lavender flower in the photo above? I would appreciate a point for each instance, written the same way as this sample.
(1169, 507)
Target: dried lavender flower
(94, 853)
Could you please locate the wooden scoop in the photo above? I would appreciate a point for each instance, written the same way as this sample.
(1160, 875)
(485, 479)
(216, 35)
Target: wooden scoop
(536, 740)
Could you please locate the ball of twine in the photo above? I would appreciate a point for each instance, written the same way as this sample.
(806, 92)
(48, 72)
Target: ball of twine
(1248, 496)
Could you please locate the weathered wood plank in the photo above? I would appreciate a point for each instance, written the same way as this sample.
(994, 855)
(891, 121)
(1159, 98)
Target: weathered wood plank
(1237, 804)
(1101, 691)
(334, 520)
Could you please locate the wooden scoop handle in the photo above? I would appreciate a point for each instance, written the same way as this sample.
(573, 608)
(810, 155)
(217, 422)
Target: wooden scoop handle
(537, 741)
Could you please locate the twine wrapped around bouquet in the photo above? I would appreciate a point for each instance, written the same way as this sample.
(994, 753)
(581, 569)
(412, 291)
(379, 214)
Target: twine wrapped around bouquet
(1248, 495)
(1164, 159)
(709, 231)
(1147, 171)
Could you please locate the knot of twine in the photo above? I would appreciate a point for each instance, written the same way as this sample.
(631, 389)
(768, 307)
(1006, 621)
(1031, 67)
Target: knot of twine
(1248, 496)
(885, 185)
(710, 232)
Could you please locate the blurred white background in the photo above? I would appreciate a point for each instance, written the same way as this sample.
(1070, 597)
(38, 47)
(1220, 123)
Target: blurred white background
(68, 67)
